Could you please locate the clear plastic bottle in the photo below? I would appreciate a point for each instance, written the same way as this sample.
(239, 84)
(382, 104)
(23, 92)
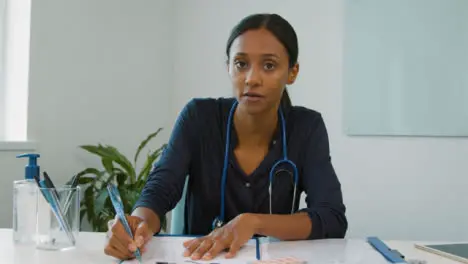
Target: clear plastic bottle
(25, 203)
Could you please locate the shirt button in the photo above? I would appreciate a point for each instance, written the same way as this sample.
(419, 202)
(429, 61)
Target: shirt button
(274, 142)
(247, 184)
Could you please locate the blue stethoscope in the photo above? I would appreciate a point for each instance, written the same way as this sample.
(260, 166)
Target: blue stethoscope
(219, 221)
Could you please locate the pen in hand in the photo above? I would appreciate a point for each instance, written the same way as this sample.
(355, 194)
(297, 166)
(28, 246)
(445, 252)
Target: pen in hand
(118, 206)
(120, 245)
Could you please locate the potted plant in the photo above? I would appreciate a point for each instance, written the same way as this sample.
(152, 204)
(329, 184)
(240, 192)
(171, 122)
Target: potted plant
(117, 169)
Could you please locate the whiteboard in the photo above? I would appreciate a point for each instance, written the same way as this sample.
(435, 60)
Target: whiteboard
(405, 68)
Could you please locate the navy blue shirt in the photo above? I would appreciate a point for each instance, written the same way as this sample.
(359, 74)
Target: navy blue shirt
(196, 150)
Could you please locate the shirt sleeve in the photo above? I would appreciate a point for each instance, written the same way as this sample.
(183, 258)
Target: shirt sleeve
(164, 187)
(323, 190)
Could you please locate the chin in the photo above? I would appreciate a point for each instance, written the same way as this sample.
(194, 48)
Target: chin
(253, 108)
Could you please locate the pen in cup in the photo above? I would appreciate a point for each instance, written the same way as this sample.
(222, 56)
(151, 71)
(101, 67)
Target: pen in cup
(51, 197)
(49, 183)
(68, 200)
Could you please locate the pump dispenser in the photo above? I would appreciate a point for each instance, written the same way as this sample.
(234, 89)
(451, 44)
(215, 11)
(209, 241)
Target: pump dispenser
(32, 169)
(25, 202)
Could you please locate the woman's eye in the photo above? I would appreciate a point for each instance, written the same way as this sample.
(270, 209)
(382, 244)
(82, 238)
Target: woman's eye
(240, 64)
(269, 66)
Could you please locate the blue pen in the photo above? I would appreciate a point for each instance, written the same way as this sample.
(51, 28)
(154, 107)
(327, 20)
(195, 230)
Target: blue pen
(257, 245)
(118, 206)
(52, 199)
(385, 251)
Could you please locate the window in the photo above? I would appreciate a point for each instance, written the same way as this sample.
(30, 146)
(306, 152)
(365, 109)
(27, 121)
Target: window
(14, 69)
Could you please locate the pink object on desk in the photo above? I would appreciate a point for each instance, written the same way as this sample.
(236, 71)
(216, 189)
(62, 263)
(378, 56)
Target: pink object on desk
(286, 260)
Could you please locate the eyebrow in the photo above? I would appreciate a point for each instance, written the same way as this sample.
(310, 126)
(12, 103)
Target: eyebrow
(263, 55)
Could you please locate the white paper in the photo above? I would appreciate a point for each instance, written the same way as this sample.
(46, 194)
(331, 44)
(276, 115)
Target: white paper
(326, 251)
(170, 249)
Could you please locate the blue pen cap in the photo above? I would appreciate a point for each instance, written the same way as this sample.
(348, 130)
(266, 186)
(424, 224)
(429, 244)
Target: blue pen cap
(32, 169)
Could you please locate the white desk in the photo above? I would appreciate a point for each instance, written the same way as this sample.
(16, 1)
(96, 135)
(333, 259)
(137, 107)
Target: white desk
(90, 250)
(410, 252)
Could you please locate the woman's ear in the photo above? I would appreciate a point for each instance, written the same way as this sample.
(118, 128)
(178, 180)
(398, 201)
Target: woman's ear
(293, 72)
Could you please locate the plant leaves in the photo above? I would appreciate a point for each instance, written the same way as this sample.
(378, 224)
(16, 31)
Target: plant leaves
(107, 214)
(86, 180)
(123, 162)
(129, 197)
(144, 143)
(96, 205)
(97, 150)
(100, 200)
(151, 158)
(112, 153)
(108, 164)
(89, 204)
(89, 171)
(121, 178)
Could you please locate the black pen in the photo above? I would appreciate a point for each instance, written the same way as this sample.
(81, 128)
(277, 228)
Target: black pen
(50, 184)
(75, 181)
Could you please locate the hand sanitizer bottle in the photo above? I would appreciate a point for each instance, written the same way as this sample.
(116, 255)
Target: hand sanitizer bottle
(25, 203)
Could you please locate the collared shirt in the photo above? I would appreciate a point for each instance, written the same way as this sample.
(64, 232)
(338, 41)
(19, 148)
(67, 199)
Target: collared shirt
(196, 150)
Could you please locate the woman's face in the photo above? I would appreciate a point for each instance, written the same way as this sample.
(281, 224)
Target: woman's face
(259, 70)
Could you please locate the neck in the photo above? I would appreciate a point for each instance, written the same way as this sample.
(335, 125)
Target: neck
(255, 130)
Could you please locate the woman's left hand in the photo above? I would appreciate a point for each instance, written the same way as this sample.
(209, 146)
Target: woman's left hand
(232, 236)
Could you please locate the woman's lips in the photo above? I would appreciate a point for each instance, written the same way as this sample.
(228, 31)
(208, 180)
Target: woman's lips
(253, 97)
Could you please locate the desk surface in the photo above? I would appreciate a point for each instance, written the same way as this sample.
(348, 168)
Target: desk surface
(90, 250)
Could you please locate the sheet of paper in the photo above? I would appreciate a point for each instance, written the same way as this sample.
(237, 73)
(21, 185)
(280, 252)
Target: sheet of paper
(325, 251)
(170, 250)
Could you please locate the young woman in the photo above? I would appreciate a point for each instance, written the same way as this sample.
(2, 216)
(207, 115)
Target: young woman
(247, 158)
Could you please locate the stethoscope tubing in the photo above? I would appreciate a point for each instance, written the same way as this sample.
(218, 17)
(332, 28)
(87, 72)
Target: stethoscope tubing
(220, 220)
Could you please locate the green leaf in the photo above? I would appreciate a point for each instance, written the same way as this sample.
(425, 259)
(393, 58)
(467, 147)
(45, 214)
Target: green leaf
(152, 157)
(89, 171)
(86, 180)
(123, 162)
(144, 143)
(112, 153)
(89, 204)
(107, 214)
(97, 150)
(108, 164)
(121, 178)
(100, 200)
(129, 197)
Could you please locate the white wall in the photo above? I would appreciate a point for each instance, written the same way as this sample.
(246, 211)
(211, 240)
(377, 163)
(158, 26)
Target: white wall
(82, 52)
(100, 71)
(398, 188)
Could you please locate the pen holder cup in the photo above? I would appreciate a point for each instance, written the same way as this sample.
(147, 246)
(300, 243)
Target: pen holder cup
(58, 218)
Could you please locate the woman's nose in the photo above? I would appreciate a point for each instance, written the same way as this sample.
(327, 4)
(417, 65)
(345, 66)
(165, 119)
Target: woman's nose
(253, 77)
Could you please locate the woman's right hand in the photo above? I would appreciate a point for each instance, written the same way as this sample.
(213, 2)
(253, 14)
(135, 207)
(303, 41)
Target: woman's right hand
(119, 244)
